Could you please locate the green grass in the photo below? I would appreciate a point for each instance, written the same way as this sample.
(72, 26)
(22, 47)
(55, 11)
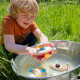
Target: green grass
(57, 21)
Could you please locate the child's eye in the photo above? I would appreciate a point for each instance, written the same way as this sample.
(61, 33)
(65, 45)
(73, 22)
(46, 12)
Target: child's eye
(33, 16)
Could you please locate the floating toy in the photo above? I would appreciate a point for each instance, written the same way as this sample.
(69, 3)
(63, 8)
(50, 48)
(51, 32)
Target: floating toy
(68, 67)
(31, 69)
(41, 72)
(44, 52)
(41, 68)
(36, 72)
(57, 67)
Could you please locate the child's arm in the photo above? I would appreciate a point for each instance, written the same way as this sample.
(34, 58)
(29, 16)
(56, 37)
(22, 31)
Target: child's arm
(42, 38)
(9, 42)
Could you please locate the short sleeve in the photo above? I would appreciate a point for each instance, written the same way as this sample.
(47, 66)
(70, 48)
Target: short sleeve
(7, 27)
(34, 26)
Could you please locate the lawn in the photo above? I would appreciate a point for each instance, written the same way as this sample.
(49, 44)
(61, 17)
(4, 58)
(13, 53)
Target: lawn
(58, 21)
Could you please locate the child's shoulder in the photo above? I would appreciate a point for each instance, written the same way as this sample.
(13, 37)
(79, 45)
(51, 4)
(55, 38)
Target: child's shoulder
(8, 19)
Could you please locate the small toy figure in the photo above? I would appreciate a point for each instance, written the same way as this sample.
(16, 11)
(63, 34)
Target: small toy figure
(38, 72)
(68, 67)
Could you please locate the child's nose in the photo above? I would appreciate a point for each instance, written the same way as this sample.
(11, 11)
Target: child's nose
(28, 19)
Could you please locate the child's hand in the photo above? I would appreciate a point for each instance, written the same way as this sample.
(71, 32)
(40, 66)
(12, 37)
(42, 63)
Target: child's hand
(31, 50)
(49, 44)
(42, 57)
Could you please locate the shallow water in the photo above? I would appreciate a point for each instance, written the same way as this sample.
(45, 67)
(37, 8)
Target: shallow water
(55, 59)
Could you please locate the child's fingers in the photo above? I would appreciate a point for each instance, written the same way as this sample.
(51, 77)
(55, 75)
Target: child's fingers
(31, 53)
(46, 44)
(49, 44)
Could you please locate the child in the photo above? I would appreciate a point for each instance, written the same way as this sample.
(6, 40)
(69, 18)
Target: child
(19, 28)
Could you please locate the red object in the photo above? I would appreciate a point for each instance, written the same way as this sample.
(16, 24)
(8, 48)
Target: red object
(42, 57)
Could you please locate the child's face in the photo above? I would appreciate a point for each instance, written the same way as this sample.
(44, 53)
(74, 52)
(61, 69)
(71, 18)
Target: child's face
(24, 21)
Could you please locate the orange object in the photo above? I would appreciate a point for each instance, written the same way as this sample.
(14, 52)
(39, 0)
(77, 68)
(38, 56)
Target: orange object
(48, 55)
(67, 66)
(41, 68)
(39, 47)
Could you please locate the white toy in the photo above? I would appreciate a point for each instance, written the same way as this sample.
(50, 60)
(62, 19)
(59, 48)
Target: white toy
(44, 52)
(38, 72)
(57, 67)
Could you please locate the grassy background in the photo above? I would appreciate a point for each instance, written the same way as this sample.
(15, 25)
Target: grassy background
(58, 21)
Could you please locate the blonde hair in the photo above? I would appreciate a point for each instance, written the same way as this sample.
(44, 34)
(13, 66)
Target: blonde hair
(29, 7)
